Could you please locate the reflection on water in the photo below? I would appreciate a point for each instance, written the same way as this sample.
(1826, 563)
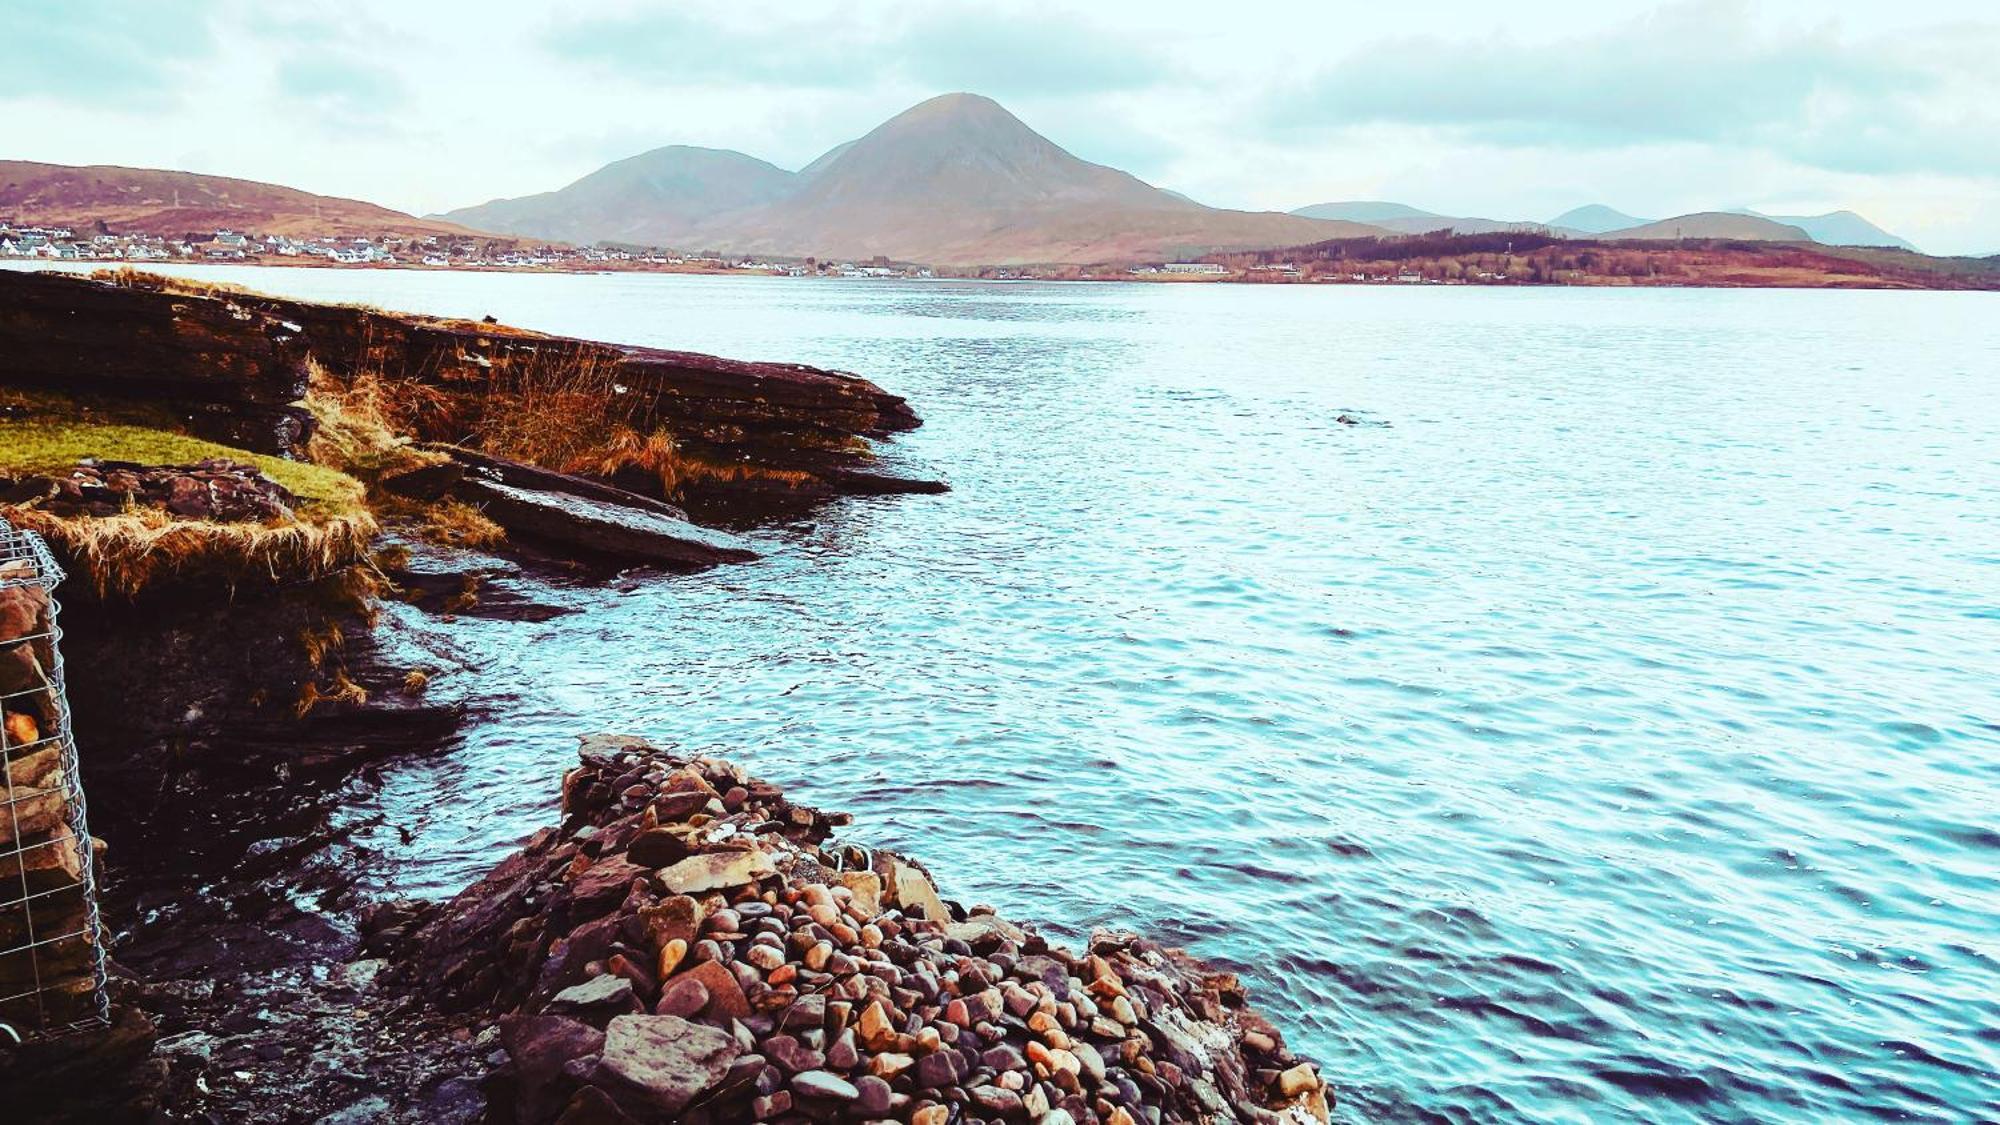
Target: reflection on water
(1610, 736)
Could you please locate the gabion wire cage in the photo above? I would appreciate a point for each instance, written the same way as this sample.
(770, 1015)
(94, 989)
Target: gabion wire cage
(52, 961)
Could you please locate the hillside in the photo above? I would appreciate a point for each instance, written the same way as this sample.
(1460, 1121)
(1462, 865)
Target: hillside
(155, 201)
(1713, 224)
(955, 181)
(655, 197)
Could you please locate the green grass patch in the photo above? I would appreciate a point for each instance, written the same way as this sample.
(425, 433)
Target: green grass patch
(52, 446)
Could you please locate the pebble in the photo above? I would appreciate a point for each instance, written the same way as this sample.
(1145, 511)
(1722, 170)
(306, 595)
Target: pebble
(824, 1084)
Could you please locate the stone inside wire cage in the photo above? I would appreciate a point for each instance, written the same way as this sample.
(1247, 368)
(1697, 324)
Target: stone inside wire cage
(51, 947)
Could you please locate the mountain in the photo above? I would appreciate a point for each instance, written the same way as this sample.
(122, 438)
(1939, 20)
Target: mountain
(154, 201)
(1596, 218)
(1714, 224)
(1837, 228)
(955, 181)
(1404, 219)
(655, 197)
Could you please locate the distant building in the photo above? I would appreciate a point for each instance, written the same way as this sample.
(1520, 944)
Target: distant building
(1200, 268)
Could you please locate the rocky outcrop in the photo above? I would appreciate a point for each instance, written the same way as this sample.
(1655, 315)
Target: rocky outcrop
(691, 946)
(231, 365)
(228, 373)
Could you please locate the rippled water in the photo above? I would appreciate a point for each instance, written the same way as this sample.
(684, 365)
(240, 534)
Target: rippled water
(1612, 734)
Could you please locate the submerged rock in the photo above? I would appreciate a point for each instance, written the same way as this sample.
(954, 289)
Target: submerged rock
(787, 984)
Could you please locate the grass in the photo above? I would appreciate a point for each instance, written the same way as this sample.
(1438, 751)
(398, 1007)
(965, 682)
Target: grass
(124, 554)
(45, 445)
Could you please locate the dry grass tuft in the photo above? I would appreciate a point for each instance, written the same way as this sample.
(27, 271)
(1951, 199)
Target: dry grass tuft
(338, 689)
(359, 429)
(458, 524)
(555, 408)
(656, 453)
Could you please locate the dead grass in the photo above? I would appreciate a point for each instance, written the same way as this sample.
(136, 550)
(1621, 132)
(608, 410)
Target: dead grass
(123, 555)
(128, 278)
(338, 689)
(556, 407)
(458, 524)
(360, 429)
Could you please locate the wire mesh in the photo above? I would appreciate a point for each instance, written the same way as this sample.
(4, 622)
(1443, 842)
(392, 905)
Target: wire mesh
(52, 963)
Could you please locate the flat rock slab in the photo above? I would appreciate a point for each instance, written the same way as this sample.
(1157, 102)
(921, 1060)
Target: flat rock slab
(600, 528)
(535, 478)
(664, 1062)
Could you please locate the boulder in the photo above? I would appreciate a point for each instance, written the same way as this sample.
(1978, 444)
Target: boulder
(663, 1062)
(711, 871)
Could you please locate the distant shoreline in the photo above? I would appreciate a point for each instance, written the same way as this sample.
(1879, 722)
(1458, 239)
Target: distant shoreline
(1986, 279)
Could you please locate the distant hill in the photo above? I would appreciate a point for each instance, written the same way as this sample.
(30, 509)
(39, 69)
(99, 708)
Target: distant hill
(1714, 224)
(1837, 228)
(154, 201)
(655, 197)
(955, 181)
(1596, 218)
(1404, 219)
(1364, 211)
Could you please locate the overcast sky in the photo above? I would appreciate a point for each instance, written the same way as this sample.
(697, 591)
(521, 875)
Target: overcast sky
(1514, 110)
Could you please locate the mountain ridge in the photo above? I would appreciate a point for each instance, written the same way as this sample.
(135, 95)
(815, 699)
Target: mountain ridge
(654, 196)
(954, 180)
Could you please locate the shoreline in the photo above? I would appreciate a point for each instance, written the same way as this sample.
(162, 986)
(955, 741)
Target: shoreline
(253, 979)
(1003, 275)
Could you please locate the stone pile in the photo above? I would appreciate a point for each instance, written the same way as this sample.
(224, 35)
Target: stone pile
(217, 489)
(49, 952)
(691, 946)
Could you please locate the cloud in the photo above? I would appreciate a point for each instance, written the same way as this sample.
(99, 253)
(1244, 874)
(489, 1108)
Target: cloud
(1045, 57)
(679, 47)
(1700, 72)
(345, 89)
(937, 50)
(123, 54)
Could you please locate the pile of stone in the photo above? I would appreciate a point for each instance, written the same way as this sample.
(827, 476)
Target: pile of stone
(691, 946)
(217, 489)
(50, 958)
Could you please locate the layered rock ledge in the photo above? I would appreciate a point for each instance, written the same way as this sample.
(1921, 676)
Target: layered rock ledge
(691, 946)
(233, 366)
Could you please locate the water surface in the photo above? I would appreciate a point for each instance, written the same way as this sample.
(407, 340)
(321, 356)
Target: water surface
(1610, 733)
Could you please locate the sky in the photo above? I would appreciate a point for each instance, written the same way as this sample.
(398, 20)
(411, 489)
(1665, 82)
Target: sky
(1516, 110)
